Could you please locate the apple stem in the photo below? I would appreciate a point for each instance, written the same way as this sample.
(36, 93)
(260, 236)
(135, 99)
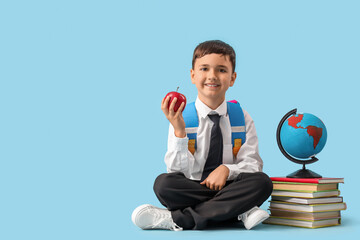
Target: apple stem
(177, 88)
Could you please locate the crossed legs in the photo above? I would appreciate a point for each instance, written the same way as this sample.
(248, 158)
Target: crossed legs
(193, 206)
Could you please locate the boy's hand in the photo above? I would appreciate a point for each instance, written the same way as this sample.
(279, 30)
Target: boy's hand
(175, 118)
(217, 178)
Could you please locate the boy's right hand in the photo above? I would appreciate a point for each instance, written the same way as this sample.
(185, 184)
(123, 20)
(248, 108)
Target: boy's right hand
(175, 118)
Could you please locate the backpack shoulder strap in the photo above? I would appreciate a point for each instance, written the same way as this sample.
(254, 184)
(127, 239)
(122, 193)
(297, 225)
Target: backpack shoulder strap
(191, 125)
(237, 122)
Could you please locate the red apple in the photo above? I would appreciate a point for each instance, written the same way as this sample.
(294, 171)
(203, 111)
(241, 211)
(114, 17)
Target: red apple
(180, 98)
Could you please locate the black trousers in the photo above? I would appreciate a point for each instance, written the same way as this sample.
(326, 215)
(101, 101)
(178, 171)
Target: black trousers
(194, 206)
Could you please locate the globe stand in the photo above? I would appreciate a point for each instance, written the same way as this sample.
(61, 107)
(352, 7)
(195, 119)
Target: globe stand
(302, 173)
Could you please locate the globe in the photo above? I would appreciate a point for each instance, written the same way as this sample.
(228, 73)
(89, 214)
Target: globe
(303, 135)
(300, 137)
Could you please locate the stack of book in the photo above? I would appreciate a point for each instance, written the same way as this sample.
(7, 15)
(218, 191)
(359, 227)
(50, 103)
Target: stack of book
(309, 203)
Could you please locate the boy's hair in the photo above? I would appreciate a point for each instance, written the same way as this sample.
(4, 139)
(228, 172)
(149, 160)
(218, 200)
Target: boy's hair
(214, 46)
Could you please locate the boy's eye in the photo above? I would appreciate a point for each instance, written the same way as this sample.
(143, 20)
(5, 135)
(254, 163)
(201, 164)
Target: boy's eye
(222, 70)
(203, 69)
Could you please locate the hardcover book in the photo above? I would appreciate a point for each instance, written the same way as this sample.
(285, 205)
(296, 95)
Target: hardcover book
(306, 194)
(308, 180)
(307, 200)
(304, 215)
(308, 208)
(302, 223)
(305, 186)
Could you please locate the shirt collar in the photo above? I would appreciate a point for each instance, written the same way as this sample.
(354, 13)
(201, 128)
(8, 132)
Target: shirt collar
(204, 110)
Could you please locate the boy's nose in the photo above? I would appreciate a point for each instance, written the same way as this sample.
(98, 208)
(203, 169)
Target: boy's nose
(211, 74)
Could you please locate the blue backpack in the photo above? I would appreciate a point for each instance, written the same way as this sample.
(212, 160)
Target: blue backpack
(237, 122)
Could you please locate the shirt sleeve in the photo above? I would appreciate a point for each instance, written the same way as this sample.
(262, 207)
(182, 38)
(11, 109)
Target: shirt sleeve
(248, 158)
(178, 156)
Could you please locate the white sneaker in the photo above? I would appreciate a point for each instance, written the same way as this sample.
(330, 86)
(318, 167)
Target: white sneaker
(150, 217)
(253, 217)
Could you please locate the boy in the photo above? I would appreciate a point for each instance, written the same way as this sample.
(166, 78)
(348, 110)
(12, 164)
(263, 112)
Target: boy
(215, 182)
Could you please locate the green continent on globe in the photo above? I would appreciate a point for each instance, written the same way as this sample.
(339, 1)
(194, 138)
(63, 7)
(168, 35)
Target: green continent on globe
(314, 132)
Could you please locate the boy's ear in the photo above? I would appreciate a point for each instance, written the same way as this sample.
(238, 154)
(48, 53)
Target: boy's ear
(192, 73)
(233, 77)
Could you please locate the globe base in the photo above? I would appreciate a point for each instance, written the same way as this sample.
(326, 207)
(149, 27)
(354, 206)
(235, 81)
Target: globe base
(304, 173)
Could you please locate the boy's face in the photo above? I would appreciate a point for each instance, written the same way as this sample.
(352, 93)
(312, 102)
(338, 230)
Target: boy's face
(212, 76)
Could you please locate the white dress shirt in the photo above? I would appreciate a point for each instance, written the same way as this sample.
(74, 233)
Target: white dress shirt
(179, 159)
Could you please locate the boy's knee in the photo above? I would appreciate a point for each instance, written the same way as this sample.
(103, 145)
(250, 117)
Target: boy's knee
(163, 183)
(159, 181)
(264, 182)
(259, 181)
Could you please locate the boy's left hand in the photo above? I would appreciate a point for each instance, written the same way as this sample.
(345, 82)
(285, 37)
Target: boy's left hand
(217, 178)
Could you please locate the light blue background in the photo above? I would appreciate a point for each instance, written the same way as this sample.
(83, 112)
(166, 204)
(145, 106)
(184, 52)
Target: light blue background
(82, 135)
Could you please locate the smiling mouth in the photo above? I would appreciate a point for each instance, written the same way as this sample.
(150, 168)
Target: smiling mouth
(211, 85)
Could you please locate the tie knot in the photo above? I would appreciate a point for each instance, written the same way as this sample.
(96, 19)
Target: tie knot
(215, 118)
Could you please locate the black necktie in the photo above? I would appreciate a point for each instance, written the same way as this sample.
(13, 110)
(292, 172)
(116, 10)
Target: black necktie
(214, 158)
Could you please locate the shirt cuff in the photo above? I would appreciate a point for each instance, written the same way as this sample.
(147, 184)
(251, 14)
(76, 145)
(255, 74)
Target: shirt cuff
(233, 171)
(179, 144)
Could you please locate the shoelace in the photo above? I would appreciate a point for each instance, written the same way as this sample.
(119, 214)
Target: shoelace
(164, 221)
(168, 225)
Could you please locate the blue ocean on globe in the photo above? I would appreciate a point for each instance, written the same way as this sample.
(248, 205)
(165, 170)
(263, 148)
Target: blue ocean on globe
(303, 135)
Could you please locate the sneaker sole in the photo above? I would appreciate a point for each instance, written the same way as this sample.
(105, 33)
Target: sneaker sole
(137, 211)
